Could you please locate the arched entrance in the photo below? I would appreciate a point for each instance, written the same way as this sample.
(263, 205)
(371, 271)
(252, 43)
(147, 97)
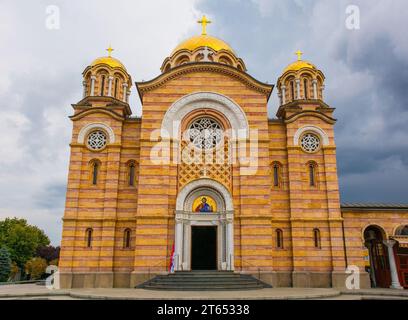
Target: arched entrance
(380, 276)
(204, 227)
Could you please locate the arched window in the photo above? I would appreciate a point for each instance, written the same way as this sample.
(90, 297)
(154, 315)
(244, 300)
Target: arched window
(95, 166)
(306, 88)
(103, 85)
(402, 231)
(316, 238)
(277, 175)
(292, 90)
(126, 238)
(88, 236)
(131, 173)
(116, 88)
(279, 238)
(312, 170)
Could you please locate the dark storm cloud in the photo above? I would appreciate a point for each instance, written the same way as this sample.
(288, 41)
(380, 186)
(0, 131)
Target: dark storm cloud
(367, 77)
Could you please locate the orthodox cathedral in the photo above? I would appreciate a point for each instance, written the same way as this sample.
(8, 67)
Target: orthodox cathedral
(204, 180)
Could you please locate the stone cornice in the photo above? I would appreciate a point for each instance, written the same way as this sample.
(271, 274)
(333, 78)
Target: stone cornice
(245, 78)
(91, 110)
(111, 102)
(312, 113)
(322, 110)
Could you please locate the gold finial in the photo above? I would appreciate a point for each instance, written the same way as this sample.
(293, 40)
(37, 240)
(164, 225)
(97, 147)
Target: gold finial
(299, 55)
(110, 50)
(204, 21)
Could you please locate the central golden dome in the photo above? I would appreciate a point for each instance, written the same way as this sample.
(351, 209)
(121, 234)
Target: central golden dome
(204, 41)
(203, 49)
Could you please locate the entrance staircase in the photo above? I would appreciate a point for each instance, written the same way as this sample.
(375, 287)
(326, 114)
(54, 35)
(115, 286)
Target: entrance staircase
(204, 281)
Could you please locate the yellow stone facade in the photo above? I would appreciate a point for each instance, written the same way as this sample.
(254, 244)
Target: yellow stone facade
(293, 232)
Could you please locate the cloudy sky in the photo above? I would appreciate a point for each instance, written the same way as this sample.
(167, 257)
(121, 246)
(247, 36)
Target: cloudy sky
(40, 76)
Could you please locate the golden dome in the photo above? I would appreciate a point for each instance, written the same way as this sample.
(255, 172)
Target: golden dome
(204, 41)
(112, 62)
(299, 64)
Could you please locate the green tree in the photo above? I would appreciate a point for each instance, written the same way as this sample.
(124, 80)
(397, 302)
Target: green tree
(5, 264)
(36, 267)
(21, 239)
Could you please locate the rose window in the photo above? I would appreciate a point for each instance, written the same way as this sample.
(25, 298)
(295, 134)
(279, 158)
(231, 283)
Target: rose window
(97, 140)
(310, 142)
(205, 133)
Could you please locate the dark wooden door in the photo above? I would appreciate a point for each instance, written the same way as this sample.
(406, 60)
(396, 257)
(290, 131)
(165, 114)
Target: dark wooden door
(402, 265)
(204, 248)
(381, 266)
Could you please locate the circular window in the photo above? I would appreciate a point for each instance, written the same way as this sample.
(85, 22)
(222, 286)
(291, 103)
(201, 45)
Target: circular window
(205, 133)
(310, 142)
(97, 140)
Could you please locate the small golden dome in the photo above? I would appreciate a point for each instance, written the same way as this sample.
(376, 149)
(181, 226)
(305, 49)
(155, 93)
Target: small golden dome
(299, 65)
(204, 41)
(112, 62)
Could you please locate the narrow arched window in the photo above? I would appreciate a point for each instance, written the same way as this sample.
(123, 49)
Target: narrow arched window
(305, 84)
(116, 88)
(279, 239)
(316, 238)
(126, 239)
(103, 86)
(88, 235)
(312, 167)
(95, 172)
(277, 174)
(292, 90)
(131, 173)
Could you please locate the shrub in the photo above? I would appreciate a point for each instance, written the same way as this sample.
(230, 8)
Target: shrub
(36, 267)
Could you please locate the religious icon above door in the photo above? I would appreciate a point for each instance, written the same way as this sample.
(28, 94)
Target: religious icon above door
(204, 204)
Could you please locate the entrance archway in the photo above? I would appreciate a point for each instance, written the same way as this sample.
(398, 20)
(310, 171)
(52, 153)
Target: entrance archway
(380, 275)
(204, 227)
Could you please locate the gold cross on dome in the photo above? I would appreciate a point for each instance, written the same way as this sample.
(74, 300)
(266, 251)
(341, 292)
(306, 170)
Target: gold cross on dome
(204, 21)
(110, 50)
(299, 54)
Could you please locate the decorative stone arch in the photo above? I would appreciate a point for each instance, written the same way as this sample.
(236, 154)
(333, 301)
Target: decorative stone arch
(93, 126)
(186, 220)
(204, 100)
(208, 184)
(380, 228)
(323, 135)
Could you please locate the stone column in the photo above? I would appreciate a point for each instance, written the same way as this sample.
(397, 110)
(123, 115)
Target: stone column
(230, 242)
(127, 96)
(283, 95)
(297, 89)
(110, 86)
(322, 90)
(178, 243)
(395, 284)
(125, 86)
(84, 89)
(93, 79)
(314, 82)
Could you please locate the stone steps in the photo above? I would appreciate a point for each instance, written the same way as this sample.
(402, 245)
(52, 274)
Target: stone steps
(205, 281)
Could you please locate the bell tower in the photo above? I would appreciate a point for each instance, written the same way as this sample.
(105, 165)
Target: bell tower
(315, 216)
